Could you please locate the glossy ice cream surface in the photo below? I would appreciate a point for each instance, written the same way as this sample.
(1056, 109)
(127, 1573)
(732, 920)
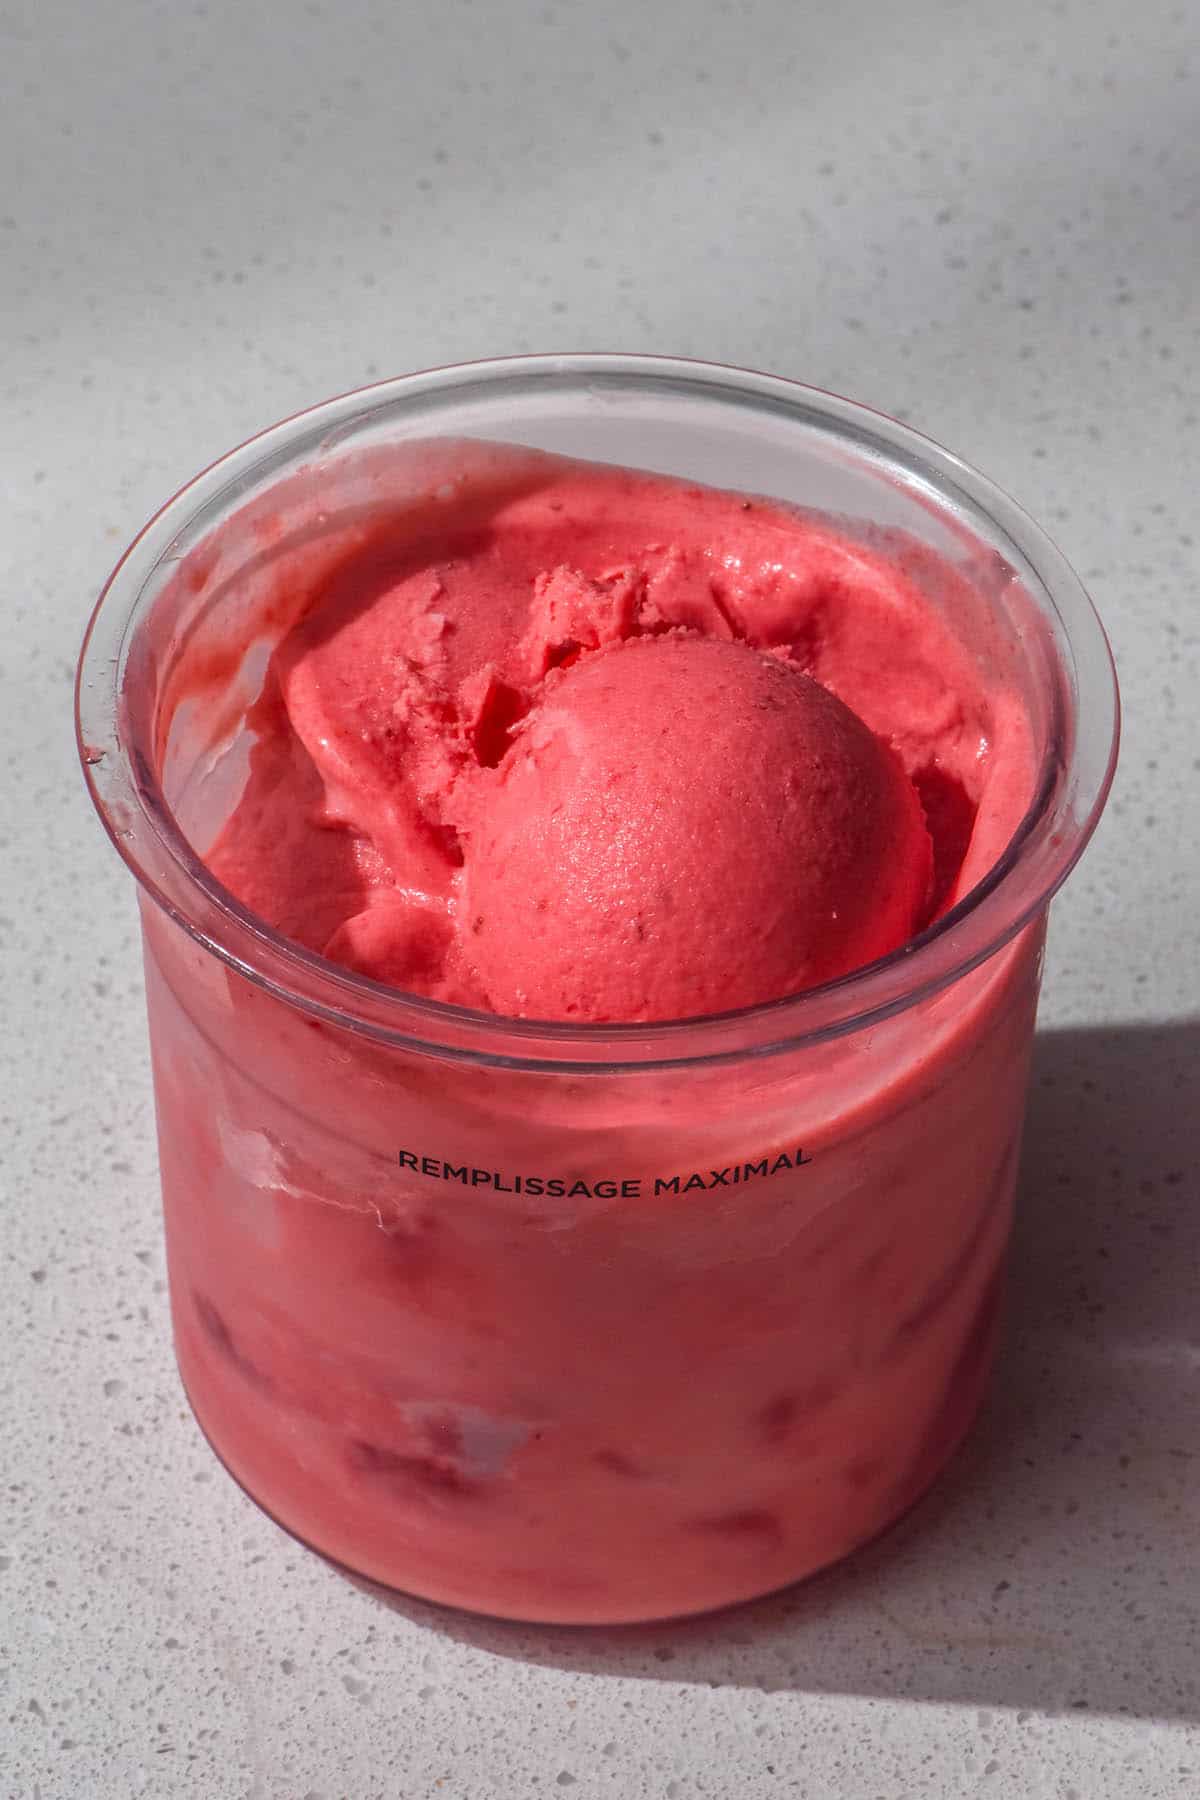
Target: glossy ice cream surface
(592, 1346)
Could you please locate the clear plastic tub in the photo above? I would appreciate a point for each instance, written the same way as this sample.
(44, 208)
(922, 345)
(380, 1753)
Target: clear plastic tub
(584, 1324)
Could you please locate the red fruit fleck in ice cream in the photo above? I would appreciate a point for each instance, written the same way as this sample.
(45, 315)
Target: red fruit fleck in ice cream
(685, 825)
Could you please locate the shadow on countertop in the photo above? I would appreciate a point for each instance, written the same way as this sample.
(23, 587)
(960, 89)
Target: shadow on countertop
(1057, 1564)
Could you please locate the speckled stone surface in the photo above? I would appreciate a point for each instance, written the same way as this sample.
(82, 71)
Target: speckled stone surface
(982, 218)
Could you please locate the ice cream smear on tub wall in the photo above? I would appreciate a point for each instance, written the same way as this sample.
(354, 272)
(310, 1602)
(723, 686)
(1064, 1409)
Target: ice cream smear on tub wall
(565, 741)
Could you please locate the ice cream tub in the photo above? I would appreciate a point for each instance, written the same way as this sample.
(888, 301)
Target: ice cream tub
(574, 1318)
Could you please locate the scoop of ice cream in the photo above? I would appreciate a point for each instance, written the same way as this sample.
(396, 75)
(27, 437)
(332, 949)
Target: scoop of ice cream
(686, 825)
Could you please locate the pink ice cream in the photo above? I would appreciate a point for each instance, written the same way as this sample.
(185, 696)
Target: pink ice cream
(560, 740)
(614, 749)
(684, 826)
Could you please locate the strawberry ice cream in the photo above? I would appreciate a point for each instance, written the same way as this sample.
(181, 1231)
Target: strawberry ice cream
(686, 826)
(578, 743)
(589, 1104)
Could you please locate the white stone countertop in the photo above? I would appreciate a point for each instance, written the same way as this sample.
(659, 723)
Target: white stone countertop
(983, 218)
